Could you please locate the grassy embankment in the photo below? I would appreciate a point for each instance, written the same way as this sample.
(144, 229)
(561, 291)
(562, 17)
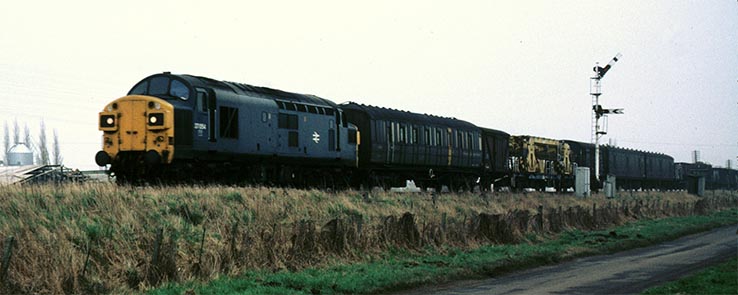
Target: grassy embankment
(719, 279)
(102, 238)
(402, 269)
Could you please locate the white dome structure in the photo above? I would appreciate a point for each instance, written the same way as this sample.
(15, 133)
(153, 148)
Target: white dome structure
(20, 155)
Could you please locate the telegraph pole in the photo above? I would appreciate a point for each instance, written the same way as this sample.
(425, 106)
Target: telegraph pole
(595, 89)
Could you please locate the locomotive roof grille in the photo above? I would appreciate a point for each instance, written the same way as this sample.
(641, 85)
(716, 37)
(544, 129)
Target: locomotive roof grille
(259, 91)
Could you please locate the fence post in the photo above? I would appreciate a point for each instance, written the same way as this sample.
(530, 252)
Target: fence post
(359, 226)
(87, 257)
(443, 221)
(594, 215)
(540, 218)
(234, 232)
(561, 218)
(6, 258)
(157, 246)
(202, 244)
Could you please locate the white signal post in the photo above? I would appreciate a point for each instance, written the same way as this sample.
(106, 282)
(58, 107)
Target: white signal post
(595, 89)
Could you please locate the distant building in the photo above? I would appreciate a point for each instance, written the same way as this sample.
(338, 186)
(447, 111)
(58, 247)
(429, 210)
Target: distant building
(20, 155)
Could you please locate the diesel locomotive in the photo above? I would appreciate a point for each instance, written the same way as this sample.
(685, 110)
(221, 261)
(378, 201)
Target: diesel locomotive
(183, 127)
(188, 128)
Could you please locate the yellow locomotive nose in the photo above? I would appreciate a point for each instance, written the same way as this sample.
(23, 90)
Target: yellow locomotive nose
(139, 126)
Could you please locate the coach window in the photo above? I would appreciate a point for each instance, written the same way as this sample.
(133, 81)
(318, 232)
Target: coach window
(427, 136)
(403, 138)
(414, 136)
(439, 140)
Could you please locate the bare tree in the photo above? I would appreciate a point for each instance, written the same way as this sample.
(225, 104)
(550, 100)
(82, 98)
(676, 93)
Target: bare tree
(27, 135)
(43, 150)
(27, 140)
(6, 142)
(57, 152)
(16, 132)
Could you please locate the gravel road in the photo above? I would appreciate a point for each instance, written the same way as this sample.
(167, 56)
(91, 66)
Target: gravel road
(621, 273)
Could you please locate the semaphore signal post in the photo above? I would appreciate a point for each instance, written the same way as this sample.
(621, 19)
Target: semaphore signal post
(595, 89)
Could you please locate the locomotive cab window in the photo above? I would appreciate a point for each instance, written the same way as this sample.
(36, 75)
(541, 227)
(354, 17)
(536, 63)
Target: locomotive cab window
(158, 86)
(179, 90)
(202, 103)
(140, 88)
(164, 86)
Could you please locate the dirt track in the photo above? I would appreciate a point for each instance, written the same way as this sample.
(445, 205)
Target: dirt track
(621, 273)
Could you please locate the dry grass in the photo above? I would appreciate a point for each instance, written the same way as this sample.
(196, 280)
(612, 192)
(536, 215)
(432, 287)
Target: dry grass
(57, 227)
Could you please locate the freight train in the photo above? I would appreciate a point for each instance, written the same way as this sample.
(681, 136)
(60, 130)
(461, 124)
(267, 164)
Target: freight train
(187, 128)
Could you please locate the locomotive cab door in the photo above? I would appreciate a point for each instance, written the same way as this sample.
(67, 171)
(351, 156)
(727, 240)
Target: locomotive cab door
(204, 120)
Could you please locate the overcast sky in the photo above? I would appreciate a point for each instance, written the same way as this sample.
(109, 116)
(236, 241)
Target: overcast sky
(523, 68)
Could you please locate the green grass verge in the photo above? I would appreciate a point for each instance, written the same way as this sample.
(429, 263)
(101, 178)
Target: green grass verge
(719, 279)
(401, 269)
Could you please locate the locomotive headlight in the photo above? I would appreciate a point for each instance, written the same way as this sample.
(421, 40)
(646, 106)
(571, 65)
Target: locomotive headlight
(154, 105)
(107, 121)
(156, 119)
